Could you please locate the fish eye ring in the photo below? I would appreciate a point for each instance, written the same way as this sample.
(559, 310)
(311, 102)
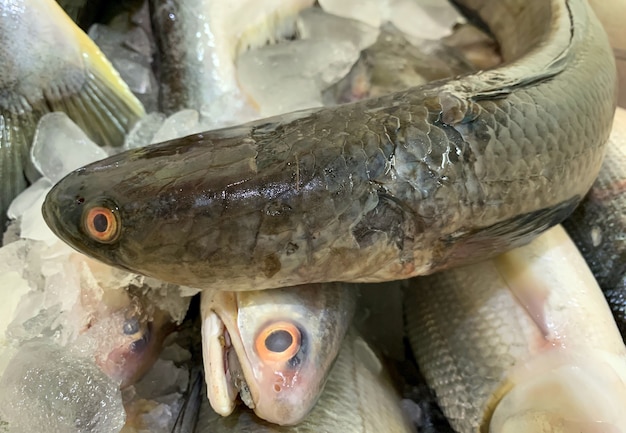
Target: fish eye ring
(101, 223)
(278, 341)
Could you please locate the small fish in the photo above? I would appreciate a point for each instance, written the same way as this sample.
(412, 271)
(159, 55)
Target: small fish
(598, 225)
(521, 343)
(49, 64)
(129, 340)
(358, 398)
(273, 347)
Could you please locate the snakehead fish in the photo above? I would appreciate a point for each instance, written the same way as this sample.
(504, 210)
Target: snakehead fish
(401, 185)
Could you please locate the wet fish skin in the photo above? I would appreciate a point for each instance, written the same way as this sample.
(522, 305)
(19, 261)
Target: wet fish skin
(282, 386)
(521, 343)
(598, 225)
(406, 184)
(358, 398)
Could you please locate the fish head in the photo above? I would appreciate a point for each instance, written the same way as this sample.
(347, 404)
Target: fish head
(584, 394)
(117, 211)
(274, 348)
(159, 210)
(128, 341)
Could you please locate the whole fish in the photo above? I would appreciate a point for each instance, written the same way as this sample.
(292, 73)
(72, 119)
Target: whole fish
(49, 64)
(273, 347)
(598, 225)
(387, 188)
(521, 343)
(358, 398)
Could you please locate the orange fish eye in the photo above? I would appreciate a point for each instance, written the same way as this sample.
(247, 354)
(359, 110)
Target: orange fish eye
(101, 223)
(279, 342)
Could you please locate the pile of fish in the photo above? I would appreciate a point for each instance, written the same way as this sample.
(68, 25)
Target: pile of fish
(290, 216)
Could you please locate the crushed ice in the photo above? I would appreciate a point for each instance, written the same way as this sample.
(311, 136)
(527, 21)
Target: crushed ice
(59, 308)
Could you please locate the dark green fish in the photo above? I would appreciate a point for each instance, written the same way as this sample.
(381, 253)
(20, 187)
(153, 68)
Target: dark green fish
(387, 188)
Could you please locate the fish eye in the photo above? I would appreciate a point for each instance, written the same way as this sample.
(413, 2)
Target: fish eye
(131, 326)
(278, 341)
(101, 223)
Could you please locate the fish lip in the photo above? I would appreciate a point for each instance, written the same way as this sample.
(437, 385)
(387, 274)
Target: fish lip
(220, 389)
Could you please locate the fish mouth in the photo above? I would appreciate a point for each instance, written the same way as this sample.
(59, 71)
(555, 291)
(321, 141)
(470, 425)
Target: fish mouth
(224, 374)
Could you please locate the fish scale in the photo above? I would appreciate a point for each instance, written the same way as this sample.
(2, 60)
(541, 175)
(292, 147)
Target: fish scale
(460, 182)
(598, 225)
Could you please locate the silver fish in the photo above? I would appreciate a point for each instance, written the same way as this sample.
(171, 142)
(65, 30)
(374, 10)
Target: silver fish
(358, 398)
(521, 343)
(598, 225)
(273, 347)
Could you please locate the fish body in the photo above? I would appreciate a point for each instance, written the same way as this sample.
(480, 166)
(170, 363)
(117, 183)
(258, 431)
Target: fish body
(524, 342)
(598, 225)
(274, 348)
(49, 64)
(387, 188)
(358, 398)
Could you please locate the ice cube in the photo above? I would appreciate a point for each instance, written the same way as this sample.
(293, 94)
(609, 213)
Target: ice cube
(314, 23)
(60, 146)
(12, 288)
(371, 12)
(425, 19)
(27, 207)
(291, 75)
(47, 389)
(143, 132)
(129, 49)
(179, 124)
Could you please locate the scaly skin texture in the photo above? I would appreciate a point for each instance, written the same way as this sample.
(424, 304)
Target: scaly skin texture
(598, 225)
(522, 343)
(406, 184)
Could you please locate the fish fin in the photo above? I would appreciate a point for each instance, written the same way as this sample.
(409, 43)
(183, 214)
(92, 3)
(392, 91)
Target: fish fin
(16, 135)
(104, 107)
(467, 247)
(81, 82)
(103, 112)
